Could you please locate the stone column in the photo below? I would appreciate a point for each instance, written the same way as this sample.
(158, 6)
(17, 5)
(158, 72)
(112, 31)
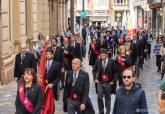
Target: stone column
(55, 19)
(6, 53)
(51, 16)
(29, 21)
(63, 15)
(60, 16)
(34, 18)
(66, 14)
(23, 31)
(15, 24)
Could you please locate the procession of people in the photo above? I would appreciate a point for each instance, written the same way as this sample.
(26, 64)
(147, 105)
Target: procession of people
(47, 67)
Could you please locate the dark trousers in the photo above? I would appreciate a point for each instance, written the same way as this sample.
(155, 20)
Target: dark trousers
(73, 106)
(141, 62)
(62, 77)
(158, 62)
(104, 90)
(84, 39)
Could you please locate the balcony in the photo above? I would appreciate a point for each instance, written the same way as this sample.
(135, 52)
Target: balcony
(120, 6)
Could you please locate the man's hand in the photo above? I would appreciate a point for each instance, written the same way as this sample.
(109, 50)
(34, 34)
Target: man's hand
(111, 83)
(50, 85)
(66, 52)
(62, 70)
(82, 107)
(96, 81)
(16, 79)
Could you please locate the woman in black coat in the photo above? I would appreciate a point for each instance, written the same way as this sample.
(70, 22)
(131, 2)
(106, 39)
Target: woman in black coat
(29, 95)
(93, 52)
(123, 61)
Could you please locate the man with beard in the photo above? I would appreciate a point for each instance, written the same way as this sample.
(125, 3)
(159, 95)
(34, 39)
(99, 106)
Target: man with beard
(130, 97)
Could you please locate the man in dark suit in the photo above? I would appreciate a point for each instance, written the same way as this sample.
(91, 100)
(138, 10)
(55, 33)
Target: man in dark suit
(103, 73)
(53, 70)
(58, 57)
(76, 92)
(76, 48)
(67, 54)
(23, 60)
(142, 46)
(84, 33)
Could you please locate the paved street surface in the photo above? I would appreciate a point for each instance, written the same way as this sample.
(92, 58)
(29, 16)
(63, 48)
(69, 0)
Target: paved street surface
(149, 79)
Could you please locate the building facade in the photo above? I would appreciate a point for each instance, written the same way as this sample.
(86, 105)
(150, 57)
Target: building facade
(141, 14)
(157, 16)
(23, 20)
(119, 12)
(97, 11)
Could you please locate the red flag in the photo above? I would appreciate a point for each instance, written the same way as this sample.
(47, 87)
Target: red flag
(48, 106)
(42, 67)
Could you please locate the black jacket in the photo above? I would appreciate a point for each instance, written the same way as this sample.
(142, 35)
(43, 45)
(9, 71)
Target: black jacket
(67, 64)
(58, 54)
(81, 88)
(35, 95)
(28, 62)
(130, 102)
(77, 51)
(109, 69)
(52, 76)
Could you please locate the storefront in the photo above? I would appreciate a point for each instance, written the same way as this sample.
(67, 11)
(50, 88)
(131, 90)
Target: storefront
(157, 18)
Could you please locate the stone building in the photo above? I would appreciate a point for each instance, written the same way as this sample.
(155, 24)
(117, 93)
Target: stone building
(22, 20)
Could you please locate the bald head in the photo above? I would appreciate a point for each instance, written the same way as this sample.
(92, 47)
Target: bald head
(23, 48)
(76, 64)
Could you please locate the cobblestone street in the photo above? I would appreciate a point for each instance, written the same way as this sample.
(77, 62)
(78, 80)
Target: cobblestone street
(149, 79)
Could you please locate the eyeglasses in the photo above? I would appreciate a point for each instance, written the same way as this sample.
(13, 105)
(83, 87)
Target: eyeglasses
(128, 77)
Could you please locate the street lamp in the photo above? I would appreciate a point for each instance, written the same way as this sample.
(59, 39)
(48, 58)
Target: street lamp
(72, 15)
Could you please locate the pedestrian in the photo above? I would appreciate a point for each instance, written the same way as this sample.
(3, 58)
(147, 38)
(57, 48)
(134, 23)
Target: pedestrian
(103, 73)
(93, 52)
(122, 61)
(23, 60)
(161, 97)
(130, 97)
(76, 91)
(84, 34)
(67, 54)
(136, 53)
(53, 70)
(162, 53)
(58, 57)
(156, 50)
(29, 95)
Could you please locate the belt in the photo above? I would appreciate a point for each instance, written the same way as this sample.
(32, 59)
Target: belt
(73, 96)
(104, 77)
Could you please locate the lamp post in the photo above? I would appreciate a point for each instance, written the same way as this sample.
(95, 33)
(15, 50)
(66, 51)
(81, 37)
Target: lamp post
(83, 10)
(72, 15)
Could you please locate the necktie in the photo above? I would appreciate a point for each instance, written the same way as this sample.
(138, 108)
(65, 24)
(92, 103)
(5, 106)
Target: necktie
(49, 64)
(74, 78)
(104, 64)
(22, 58)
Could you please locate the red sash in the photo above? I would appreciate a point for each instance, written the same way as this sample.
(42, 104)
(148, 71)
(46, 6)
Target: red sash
(94, 49)
(104, 77)
(73, 96)
(25, 101)
(119, 59)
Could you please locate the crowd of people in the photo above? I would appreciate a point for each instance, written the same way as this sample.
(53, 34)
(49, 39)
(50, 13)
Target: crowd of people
(45, 66)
